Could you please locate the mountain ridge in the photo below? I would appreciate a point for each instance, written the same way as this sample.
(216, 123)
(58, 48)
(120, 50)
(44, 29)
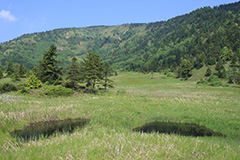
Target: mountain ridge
(137, 46)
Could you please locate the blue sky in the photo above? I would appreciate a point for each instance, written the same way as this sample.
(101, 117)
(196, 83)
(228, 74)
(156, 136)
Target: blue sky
(18, 17)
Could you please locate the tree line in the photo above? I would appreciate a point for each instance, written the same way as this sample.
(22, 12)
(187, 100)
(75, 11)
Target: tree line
(91, 74)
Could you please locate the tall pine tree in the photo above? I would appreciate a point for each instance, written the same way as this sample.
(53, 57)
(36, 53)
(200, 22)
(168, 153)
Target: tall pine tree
(73, 74)
(91, 70)
(48, 69)
(22, 70)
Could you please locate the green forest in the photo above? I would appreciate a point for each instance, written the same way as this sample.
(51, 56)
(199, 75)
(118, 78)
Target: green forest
(89, 76)
(205, 37)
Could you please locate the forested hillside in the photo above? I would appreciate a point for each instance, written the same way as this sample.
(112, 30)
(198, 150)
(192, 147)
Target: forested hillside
(206, 36)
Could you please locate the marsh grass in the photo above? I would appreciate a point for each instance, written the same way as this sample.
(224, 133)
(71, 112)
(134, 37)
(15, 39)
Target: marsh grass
(112, 116)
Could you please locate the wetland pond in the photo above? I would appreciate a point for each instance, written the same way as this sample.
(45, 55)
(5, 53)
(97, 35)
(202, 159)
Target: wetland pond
(33, 131)
(183, 129)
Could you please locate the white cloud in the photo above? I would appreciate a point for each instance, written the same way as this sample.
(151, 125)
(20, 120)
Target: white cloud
(7, 16)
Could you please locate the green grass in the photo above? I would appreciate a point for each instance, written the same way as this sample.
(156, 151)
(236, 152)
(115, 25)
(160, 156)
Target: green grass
(135, 100)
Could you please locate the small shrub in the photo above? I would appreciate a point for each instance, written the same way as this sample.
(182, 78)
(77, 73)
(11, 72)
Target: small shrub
(7, 87)
(58, 91)
(170, 74)
(33, 82)
(214, 81)
(25, 90)
(165, 72)
(121, 92)
(202, 81)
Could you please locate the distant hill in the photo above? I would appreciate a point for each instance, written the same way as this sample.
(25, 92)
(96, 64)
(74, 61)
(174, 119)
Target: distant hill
(202, 36)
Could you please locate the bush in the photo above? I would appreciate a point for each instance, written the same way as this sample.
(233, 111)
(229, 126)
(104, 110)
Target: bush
(202, 81)
(58, 91)
(33, 82)
(214, 81)
(25, 90)
(170, 74)
(7, 87)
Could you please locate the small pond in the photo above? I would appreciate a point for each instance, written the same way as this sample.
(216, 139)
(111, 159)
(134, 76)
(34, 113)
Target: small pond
(184, 129)
(33, 131)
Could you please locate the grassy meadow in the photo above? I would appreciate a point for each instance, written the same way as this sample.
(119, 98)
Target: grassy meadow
(136, 99)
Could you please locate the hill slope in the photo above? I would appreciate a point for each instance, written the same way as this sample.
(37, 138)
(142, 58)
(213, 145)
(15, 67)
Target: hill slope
(202, 36)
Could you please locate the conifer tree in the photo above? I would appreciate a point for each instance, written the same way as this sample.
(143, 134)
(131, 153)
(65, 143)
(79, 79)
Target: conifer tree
(16, 75)
(91, 70)
(222, 72)
(35, 71)
(10, 69)
(219, 65)
(22, 70)
(199, 62)
(48, 69)
(33, 82)
(226, 54)
(28, 73)
(221, 69)
(73, 74)
(107, 72)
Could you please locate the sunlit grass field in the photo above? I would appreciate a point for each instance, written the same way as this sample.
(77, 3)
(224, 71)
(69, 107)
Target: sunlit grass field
(135, 100)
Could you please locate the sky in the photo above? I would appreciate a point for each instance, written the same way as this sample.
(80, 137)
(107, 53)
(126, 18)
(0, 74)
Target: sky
(18, 17)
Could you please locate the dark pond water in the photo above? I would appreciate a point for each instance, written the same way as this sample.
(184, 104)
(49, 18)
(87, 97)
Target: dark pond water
(184, 129)
(34, 131)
